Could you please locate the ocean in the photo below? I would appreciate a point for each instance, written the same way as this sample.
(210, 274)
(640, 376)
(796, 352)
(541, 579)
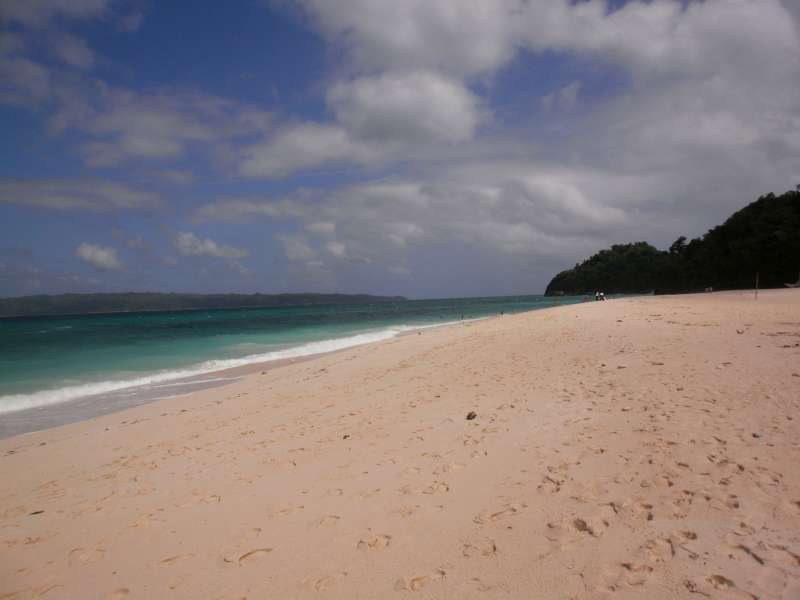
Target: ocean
(99, 363)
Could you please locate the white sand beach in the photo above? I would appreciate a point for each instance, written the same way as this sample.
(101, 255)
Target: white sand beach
(637, 448)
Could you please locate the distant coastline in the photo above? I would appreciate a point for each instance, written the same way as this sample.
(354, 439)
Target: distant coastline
(758, 245)
(67, 305)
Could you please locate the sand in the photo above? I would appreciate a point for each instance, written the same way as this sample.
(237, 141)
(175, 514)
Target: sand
(637, 448)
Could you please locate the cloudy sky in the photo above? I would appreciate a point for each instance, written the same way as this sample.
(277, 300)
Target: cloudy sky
(448, 148)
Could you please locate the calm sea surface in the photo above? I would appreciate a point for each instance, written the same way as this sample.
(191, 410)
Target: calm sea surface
(46, 361)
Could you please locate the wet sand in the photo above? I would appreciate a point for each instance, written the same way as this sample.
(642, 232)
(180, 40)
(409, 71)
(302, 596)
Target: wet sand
(639, 448)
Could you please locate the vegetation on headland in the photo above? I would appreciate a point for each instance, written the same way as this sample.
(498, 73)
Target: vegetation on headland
(79, 304)
(762, 238)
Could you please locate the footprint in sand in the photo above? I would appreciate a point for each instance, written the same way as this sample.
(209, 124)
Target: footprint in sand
(636, 573)
(238, 556)
(582, 526)
(682, 502)
(749, 552)
(720, 582)
(283, 511)
(241, 552)
(500, 515)
(437, 487)
(171, 560)
(407, 511)
(175, 582)
(39, 592)
(550, 485)
(638, 511)
(788, 557)
(449, 468)
(253, 556)
(719, 586)
(485, 587)
(119, 594)
(572, 529)
(328, 581)
(659, 550)
(82, 556)
(627, 573)
(650, 556)
(416, 583)
(328, 521)
(374, 542)
(410, 472)
(479, 546)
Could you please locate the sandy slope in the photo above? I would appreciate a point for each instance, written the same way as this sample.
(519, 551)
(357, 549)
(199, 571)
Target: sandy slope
(644, 448)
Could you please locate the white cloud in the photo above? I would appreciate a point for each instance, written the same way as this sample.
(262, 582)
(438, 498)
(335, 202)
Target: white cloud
(419, 106)
(484, 35)
(244, 209)
(176, 176)
(73, 51)
(189, 244)
(296, 248)
(378, 119)
(451, 35)
(519, 209)
(161, 126)
(23, 82)
(131, 22)
(322, 227)
(119, 125)
(422, 54)
(100, 257)
(337, 249)
(38, 12)
(242, 270)
(149, 128)
(300, 147)
(712, 107)
(565, 98)
(91, 195)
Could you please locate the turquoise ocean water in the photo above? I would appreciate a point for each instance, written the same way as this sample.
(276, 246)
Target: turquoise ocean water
(47, 361)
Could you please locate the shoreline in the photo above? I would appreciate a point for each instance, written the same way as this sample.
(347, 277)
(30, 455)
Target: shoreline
(28, 420)
(645, 447)
(33, 419)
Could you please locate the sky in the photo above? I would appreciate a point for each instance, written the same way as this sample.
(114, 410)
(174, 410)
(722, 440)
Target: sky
(426, 149)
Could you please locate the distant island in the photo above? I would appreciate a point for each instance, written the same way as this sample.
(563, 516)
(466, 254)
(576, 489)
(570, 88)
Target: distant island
(763, 238)
(82, 304)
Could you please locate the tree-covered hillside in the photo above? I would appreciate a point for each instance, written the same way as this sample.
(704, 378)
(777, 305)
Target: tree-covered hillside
(763, 238)
(72, 304)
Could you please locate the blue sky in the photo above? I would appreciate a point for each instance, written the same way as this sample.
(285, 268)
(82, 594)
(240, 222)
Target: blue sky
(390, 147)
